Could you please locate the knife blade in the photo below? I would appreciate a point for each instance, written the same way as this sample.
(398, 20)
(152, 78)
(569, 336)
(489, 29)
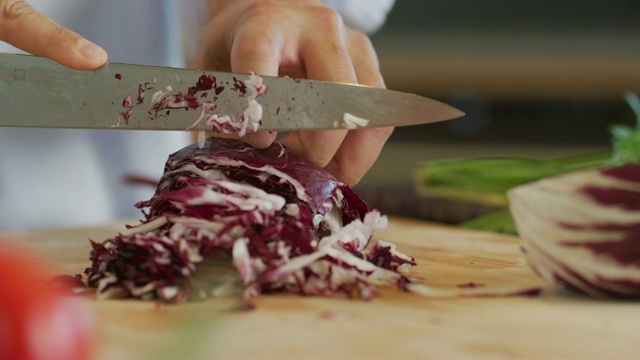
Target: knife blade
(37, 92)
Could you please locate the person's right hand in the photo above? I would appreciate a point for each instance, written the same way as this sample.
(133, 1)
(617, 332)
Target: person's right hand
(301, 39)
(27, 29)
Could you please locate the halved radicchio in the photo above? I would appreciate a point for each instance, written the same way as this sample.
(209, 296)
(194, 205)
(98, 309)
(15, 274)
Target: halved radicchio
(267, 220)
(581, 230)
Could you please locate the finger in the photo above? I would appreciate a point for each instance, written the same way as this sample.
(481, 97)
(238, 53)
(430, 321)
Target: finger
(326, 58)
(197, 134)
(261, 139)
(325, 53)
(358, 153)
(253, 50)
(25, 28)
(361, 147)
(365, 60)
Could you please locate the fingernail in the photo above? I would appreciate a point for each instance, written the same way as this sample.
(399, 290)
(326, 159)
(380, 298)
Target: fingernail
(92, 51)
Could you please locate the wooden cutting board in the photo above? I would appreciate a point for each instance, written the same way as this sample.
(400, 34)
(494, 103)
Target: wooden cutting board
(393, 326)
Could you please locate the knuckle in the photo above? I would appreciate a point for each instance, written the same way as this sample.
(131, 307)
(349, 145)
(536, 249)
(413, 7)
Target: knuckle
(59, 32)
(329, 17)
(330, 25)
(324, 22)
(360, 39)
(13, 10)
(254, 46)
(363, 46)
(60, 35)
(262, 9)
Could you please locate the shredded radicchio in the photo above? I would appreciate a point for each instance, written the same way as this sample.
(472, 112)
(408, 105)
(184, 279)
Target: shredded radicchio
(226, 216)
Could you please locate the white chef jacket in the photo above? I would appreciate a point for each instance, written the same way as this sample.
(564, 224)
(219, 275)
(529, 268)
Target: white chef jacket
(63, 178)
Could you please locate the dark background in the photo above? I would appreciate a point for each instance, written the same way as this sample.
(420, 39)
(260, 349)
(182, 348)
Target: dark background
(536, 78)
(539, 71)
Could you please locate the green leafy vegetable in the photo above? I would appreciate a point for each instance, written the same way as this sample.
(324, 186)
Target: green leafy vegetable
(625, 139)
(498, 221)
(487, 180)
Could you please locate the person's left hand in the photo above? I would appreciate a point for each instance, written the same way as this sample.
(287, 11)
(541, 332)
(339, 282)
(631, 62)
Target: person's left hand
(301, 39)
(29, 30)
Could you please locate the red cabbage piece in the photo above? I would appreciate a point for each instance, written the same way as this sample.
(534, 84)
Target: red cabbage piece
(228, 216)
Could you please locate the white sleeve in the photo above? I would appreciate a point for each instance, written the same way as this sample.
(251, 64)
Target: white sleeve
(367, 16)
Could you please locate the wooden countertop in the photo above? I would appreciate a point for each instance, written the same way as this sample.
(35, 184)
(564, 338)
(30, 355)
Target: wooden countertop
(393, 326)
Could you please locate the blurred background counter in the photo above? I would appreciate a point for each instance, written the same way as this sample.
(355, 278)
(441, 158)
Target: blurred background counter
(536, 78)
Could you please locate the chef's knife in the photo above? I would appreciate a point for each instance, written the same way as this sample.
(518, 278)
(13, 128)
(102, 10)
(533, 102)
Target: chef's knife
(37, 92)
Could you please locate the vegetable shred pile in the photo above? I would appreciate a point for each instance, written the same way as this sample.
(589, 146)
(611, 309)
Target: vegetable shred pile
(227, 218)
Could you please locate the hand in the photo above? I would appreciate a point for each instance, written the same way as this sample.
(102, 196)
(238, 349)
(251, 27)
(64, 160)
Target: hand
(301, 39)
(25, 28)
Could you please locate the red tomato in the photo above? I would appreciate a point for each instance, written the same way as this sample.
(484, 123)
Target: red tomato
(36, 320)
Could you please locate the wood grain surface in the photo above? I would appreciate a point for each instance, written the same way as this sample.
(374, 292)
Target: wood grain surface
(395, 325)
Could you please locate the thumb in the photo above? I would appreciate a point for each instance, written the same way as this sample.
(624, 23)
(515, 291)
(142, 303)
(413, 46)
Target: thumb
(25, 28)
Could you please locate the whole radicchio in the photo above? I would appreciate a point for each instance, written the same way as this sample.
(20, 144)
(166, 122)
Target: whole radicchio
(267, 220)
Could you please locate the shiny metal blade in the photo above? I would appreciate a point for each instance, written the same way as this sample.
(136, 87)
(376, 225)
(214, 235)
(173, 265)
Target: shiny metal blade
(37, 92)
